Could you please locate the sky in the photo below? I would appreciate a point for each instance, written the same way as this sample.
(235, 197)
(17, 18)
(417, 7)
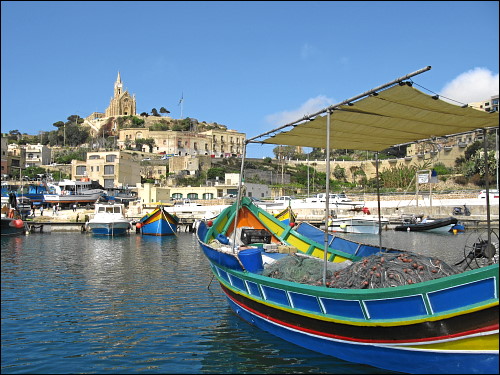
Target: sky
(250, 65)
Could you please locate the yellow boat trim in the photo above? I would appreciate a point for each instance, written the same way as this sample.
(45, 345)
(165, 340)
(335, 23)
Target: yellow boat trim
(480, 342)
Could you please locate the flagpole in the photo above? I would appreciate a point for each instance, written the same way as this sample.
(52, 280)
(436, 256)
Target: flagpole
(181, 102)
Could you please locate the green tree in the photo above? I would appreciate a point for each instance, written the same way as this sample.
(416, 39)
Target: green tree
(163, 110)
(339, 173)
(33, 172)
(76, 135)
(212, 173)
(285, 152)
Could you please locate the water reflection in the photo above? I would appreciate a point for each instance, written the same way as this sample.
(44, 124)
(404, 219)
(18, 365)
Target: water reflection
(77, 302)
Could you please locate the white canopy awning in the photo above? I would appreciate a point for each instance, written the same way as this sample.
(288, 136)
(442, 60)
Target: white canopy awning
(397, 115)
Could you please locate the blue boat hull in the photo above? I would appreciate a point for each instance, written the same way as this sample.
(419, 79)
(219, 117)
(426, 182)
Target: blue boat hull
(159, 228)
(109, 230)
(403, 360)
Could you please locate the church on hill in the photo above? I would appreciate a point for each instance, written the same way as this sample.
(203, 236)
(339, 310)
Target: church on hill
(122, 103)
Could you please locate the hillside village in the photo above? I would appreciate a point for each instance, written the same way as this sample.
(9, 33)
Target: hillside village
(166, 159)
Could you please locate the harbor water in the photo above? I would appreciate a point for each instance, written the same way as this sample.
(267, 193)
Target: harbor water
(77, 303)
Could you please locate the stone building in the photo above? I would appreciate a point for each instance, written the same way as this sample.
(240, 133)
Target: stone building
(112, 169)
(122, 103)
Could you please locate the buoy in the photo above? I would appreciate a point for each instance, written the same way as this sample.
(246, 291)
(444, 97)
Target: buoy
(343, 225)
(455, 231)
(210, 223)
(138, 225)
(408, 229)
(18, 223)
(292, 224)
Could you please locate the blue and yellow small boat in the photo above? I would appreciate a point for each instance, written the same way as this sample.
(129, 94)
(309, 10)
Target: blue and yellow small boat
(158, 223)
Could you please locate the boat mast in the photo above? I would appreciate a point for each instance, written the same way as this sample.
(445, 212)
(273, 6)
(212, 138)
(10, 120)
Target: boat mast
(327, 198)
(490, 252)
(378, 203)
(238, 198)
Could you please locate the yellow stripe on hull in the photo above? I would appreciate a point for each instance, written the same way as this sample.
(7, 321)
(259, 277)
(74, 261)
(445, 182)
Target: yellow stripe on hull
(480, 342)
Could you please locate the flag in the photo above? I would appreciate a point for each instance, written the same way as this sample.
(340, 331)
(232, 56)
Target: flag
(181, 100)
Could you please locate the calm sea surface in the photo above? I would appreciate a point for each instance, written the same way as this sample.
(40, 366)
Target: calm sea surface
(77, 303)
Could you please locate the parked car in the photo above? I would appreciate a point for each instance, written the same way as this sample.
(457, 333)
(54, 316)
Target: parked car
(493, 194)
(333, 198)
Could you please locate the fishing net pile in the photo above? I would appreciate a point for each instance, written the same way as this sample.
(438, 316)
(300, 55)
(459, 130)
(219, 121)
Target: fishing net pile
(301, 269)
(375, 271)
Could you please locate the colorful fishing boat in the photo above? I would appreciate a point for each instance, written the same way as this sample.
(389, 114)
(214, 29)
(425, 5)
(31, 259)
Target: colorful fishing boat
(158, 222)
(445, 324)
(287, 216)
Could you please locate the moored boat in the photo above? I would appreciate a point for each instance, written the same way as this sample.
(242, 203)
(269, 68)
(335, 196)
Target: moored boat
(358, 224)
(287, 216)
(443, 225)
(380, 327)
(11, 218)
(109, 220)
(70, 192)
(446, 322)
(159, 222)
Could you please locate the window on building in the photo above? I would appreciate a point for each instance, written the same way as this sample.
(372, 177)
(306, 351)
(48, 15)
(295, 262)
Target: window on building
(177, 196)
(109, 169)
(110, 158)
(81, 170)
(92, 157)
(109, 183)
(192, 195)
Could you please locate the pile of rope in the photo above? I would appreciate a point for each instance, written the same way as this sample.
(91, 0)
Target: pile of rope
(383, 270)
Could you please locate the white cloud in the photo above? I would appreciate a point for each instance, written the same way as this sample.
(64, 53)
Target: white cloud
(311, 106)
(475, 85)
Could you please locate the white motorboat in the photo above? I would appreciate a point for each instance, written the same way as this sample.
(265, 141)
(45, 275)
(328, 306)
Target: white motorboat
(358, 224)
(69, 192)
(109, 219)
